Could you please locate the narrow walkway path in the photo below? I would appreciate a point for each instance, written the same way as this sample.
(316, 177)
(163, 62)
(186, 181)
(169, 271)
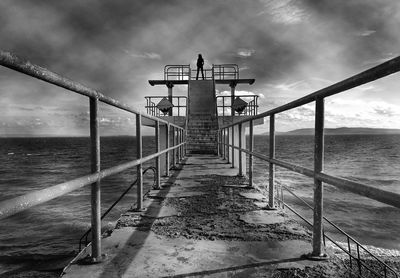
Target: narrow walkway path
(204, 222)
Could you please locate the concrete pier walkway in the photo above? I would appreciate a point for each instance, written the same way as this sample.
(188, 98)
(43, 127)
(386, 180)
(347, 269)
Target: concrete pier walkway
(204, 222)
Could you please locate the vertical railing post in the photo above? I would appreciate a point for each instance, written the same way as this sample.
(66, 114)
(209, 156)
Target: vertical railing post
(318, 188)
(158, 159)
(173, 144)
(223, 143)
(183, 146)
(227, 145)
(139, 167)
(95, 190)
(167, 153)
(180, 142)
(251, 148)
(271, 187)
(233, 146)
(178, 150)
(218, 144)
(185, 140)
(240, 151)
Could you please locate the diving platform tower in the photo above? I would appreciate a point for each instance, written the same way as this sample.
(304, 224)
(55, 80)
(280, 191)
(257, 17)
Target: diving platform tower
(201, 112)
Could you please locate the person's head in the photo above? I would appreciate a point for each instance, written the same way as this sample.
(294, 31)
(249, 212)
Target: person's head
(200, 56)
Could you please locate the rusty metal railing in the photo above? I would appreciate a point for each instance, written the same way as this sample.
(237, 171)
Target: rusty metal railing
(224, 105)
(18, 204)
(179, 105)
(228, 147)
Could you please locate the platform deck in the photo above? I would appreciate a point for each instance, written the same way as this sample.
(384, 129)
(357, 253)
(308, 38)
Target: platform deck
(204, 222)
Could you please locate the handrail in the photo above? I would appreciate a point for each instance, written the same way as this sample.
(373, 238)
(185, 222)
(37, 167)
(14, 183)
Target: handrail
(251, 109)
(153, 110)
(12, 206)
(228, 148)
(86, 234)
(217, 72)
(349, 237)
(377, 72)
(11, 61)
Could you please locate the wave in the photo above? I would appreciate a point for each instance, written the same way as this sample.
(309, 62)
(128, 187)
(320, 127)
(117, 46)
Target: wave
(36, 257)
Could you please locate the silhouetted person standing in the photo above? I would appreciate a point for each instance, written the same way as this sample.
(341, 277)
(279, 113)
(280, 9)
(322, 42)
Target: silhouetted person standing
(200, 63)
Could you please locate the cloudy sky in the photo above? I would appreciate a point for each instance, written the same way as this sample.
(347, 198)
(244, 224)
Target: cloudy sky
(291, 47)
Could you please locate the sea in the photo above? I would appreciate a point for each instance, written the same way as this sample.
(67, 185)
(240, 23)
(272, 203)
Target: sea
(45, 237)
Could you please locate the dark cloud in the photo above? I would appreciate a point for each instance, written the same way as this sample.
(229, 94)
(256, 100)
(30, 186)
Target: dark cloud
(116, 46)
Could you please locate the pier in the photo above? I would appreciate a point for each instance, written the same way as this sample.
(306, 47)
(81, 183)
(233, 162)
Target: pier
(205, 221)
(205, 217)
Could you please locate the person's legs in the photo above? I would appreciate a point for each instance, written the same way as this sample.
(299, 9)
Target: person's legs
(197, 74)
(202, 73)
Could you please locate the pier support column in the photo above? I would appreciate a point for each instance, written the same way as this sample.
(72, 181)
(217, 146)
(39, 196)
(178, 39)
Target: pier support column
(233, 86)
(170, 86)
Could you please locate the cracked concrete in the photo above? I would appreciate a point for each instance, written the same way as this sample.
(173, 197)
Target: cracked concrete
(202, 224)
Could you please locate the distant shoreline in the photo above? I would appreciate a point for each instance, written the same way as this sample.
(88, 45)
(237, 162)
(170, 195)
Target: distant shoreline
(343, 131)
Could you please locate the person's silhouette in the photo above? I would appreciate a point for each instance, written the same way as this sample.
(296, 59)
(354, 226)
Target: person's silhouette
(200, 63)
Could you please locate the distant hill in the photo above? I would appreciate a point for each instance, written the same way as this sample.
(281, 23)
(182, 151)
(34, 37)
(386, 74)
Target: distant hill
(343, 131)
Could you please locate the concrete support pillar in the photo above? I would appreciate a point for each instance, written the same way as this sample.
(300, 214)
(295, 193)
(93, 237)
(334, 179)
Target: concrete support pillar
(170, 86)
(233, 86)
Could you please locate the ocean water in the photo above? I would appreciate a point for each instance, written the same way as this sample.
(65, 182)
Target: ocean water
(370, 159)
(49, 234)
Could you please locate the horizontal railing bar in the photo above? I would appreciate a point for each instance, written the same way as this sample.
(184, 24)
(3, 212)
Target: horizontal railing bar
(382, 70)
(11, 61)
(386, 197)
(165, 96)
(374, 193)
(20, 203)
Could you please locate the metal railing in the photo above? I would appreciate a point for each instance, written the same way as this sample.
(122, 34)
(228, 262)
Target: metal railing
(217, 72)
(228, 147)
(355, 253)
(179, 105)
(225, 71)
(177, 72)
(84, 237)
(12, 206)
(224, 105)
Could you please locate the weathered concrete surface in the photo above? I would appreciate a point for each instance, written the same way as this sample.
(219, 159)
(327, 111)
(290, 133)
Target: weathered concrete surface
(252, 195)
(263, 217)
(214, 231)
(133, 253)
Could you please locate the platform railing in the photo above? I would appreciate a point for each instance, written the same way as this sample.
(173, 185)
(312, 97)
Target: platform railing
(225, 71)
(227, 149)
(179, 105)
(216, 72)
(224, 105)
(12, 206)
(177, 72)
